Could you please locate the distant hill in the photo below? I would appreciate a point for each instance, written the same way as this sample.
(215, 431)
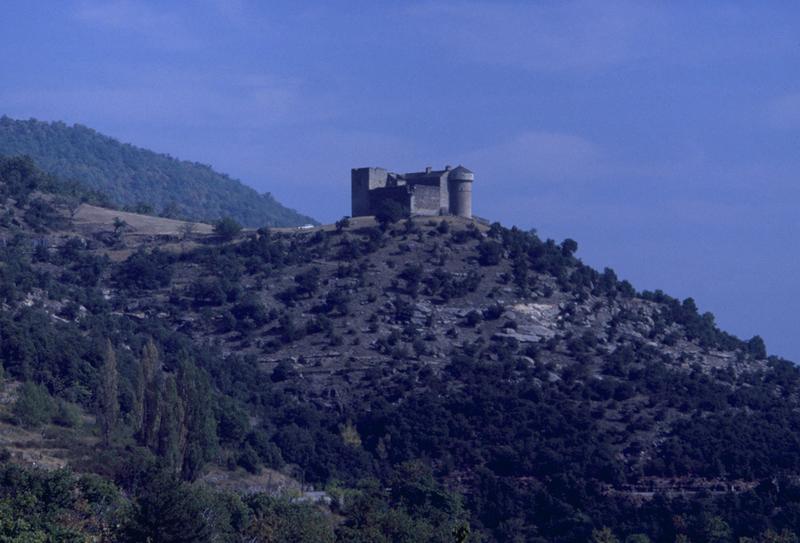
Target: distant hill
(131, 176)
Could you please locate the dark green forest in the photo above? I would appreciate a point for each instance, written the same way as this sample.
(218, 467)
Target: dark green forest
(141, 180)
(570, 438)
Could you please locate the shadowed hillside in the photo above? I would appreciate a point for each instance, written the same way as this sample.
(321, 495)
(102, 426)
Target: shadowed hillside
(434, 379)
(134, 177)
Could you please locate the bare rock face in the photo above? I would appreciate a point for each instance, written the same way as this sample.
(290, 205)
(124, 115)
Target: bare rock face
(535, 322)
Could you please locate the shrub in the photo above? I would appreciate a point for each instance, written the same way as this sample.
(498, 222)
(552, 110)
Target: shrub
(569, 247)
(268, 452)
(389, 211)
(473, 318)
(489, 252)
(307, 281)
(34, 405)
(493, 312)
(227, 228)
(41, 216)
(275, 519)
(252, 309)
(756, 347)
(249, 460)
(67, 414)
(337, 301)
(342, 223)
(145, 270)
(283, 371)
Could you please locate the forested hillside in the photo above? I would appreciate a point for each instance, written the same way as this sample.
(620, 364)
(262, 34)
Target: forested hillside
(441, 380)
(140, 179)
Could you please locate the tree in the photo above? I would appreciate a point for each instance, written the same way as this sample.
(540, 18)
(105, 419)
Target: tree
(604, 536)
(489, 252)
(307, 281)
(147, 394)
(756, 347)
(66, 414)
(197, 424)
(227, 228)
(569, 247)
(34, 406)
(770, 536)
(278, 520)
(145, 270)
(715, 529)
(342, 223)
(169, 511)
(70, 202)
(389, 211)
(350, 435)
(186, 230)
(283, 371)
(119, 226)
(172, 210)
(171, 414)
(108, 393)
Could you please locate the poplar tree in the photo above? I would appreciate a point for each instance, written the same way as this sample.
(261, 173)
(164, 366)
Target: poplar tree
(169, 428)
(108, 393)
(148, 394)
(198, 436)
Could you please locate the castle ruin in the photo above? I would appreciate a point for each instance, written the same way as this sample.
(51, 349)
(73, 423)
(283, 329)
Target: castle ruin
(432, 192)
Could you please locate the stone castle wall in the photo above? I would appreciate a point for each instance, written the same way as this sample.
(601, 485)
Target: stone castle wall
(440, 192)
(425, 200)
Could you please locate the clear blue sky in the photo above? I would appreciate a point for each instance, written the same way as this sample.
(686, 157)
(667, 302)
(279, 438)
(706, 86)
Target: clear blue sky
(663, 136)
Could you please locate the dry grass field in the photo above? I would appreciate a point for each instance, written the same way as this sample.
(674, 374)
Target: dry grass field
(89, 217)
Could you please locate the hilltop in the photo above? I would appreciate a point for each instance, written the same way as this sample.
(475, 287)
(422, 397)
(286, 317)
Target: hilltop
(441, 379)
(138, 178)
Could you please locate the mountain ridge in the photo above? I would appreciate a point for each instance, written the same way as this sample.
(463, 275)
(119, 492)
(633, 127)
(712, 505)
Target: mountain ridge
(132, 176)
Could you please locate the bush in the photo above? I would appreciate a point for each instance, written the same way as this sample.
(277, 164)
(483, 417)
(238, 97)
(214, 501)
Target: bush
(493, 312)
(275, 519)
(473, 318)
(249, 460)
(171, 511)
(389, 211)
(227, 228)
(34, 405)
(489, 253)
(145, 270)
(342, 223)
(268, 452)
(756, 347)
(307, 281)
(41, 216)
(569, 247)
(67, 414)
(252, 309)
(283, 371)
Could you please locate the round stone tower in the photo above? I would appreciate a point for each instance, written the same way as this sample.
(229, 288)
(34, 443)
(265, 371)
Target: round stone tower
(459, 186)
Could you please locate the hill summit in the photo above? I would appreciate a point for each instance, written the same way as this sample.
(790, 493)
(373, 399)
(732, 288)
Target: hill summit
(432, 379)
(134, 177)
